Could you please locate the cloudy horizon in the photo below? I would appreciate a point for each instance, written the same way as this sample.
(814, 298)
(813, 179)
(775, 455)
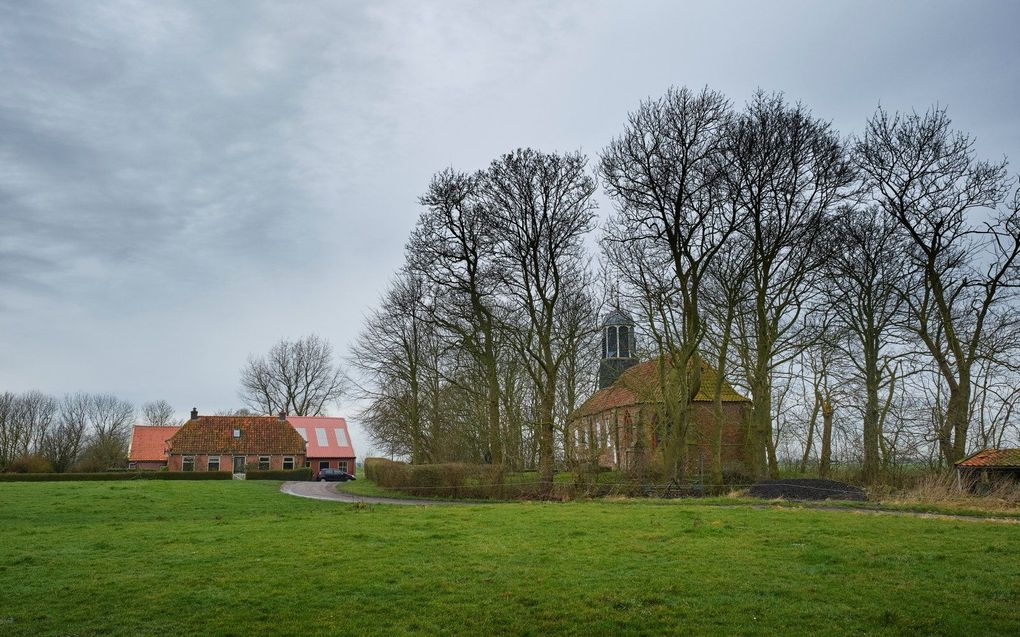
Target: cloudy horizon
(183, 184)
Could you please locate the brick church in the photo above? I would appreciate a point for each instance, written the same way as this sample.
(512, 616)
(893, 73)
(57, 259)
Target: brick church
(628, 405)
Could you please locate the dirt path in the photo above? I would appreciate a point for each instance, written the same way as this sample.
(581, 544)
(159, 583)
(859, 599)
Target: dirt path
(328, 491)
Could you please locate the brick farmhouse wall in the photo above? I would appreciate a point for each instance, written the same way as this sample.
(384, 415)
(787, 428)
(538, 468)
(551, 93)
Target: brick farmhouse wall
(176, 461)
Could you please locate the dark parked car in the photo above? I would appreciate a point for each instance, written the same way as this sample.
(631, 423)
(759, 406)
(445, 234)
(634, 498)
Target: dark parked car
(334, 475)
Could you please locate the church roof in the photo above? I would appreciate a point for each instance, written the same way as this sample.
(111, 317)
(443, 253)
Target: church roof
(617, 316)
(640, 385)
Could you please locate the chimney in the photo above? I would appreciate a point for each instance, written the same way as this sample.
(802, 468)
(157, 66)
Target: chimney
(194, 413)
(283, 416)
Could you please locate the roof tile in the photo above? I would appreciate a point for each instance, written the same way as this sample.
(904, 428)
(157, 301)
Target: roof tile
(148, 444)
(992, 458)
(259, 435)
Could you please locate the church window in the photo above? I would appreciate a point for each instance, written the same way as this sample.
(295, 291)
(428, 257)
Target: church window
(611, 333)
(624, 344)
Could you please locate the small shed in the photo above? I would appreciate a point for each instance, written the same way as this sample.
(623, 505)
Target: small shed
(989, 465)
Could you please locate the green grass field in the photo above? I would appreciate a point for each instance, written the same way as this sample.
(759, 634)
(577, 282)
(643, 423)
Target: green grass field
(240, 558)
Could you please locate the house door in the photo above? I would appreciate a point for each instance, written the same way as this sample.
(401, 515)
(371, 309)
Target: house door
(238, 464)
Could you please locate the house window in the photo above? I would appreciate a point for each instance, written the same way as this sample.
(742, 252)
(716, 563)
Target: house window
(320, 437)
(214, 463)
(343, 466)
(323, 464)
(263, 463)
(288, 463)
(341, 437)
(308, 464)
(188, 463)
(301, 432)
(132, 465)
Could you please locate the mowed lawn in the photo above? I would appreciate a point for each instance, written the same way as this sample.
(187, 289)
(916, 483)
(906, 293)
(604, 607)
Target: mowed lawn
(240, 558)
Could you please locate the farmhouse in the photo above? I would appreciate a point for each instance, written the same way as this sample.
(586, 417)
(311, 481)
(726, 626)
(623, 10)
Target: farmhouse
(148, 447)
(327, 443)
(233, 443)
(619, 426)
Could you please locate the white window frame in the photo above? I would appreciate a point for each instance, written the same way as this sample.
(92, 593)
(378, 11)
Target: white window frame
(184, 463)
(208, 465)
(341, 436)
(343, 466)
(288, 460)
(268, 461)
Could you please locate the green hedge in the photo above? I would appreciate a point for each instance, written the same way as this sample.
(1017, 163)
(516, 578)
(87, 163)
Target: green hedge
(116, 475)
(280, 474)
(450, 480)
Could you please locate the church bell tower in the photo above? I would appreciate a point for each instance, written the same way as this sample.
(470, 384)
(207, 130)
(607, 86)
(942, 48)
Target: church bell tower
(618, 346)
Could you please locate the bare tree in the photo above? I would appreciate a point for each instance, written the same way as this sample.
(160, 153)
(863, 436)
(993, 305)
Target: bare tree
(668, 177)
(541, 208)
(862, 288)
(25, 420)
(66, 439)
(396, 355)
(788, 171)
(159, 413)
(451, 247)
(924, 175)
(296, 377)
(106, 421)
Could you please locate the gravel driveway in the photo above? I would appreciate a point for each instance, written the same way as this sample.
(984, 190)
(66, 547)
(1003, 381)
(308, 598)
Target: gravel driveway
(328, 491)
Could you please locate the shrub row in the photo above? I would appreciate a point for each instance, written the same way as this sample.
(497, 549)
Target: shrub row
(280, 474)
(116, 475)
(450, 480)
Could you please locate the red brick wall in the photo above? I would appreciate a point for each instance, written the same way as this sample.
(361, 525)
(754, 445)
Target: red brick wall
(176, 462)
(334, 463)
(609, 435)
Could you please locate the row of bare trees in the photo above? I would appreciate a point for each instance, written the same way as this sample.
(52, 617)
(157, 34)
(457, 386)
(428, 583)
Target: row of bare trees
(860, 290)
(81, 432)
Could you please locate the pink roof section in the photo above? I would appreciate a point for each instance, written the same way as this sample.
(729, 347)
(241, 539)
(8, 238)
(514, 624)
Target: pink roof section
(325, 437)
(149, 443)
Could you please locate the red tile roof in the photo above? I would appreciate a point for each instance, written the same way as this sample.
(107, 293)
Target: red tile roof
(325, 437)
(992, 458)
(148, 444)
(640, 385)
(258, 435)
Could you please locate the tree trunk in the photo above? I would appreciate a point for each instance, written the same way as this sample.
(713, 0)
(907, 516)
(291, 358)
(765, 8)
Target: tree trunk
(546, 456)
(871, 434)
(826, 458)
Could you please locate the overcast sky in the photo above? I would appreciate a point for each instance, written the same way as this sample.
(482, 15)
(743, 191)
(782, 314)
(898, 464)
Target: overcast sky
(185, 183)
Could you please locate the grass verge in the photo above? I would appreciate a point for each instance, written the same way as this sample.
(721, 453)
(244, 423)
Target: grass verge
(240, 558)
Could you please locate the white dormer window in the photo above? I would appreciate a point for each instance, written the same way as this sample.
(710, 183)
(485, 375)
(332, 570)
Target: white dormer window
(320, 437)
(341, 437)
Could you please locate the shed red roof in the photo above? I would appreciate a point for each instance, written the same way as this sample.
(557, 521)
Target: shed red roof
(257, 435)
(325, 437)
(992, 458)
(640, 384)
(148, 444)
